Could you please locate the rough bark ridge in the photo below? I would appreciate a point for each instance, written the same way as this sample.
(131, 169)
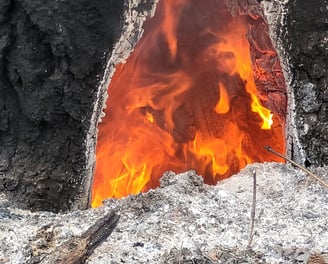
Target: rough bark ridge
(51, 56)
(306, 43)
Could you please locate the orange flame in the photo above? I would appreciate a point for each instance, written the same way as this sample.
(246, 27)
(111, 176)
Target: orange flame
(185, 99)
(223, 106)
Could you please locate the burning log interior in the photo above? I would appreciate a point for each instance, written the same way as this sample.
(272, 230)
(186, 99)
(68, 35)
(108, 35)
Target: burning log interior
(99, 99)
(205, 93)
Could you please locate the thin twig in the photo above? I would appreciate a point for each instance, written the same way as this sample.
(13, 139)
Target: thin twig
(251, 228)
(268, 148)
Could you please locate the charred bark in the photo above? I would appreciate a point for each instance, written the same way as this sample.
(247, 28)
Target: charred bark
(307, 45)
(52, 56)
(300, 31)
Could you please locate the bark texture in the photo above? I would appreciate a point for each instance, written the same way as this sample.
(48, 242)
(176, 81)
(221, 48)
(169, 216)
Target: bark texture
(52, 55)
(307, 44)
(302, 36)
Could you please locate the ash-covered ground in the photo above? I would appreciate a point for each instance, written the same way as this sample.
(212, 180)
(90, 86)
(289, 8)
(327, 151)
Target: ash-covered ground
(187, 221)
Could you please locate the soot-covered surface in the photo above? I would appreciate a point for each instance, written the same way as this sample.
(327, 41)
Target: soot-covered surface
(307, 43)
(52, 55)
(301, 34)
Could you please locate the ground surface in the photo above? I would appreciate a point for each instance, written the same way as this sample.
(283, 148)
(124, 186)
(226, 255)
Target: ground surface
(185, 221)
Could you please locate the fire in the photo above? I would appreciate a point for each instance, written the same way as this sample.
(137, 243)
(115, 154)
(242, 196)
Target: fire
(185, 99)
(223, 104)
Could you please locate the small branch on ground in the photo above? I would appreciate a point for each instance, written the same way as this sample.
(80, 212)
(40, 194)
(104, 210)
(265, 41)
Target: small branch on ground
(325, 184)
(48, 246)
(251, 227)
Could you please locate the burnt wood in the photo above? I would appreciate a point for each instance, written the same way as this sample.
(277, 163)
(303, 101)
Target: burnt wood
(48, 247)
(305, 39)
(52, 56)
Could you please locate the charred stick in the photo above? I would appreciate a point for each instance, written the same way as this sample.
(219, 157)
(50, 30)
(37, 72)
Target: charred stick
(82, 247)
(97, 233)
(251, 228)
(325, 184)
(48, 249)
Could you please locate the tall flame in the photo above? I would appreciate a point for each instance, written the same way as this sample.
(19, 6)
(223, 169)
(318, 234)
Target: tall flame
(185, 99)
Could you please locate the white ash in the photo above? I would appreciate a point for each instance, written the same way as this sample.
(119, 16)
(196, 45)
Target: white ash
(186, 221)
(19, 228)
(185, 215)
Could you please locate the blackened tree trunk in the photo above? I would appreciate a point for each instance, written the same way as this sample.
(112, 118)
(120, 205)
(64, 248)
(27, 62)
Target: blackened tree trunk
(306, 41)
(52, 56)
(300, 32)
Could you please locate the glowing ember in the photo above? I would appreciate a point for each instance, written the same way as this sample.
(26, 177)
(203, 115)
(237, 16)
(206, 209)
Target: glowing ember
(185, 99)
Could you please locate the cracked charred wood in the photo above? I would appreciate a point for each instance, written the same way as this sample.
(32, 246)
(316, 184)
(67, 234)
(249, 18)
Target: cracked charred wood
(48, 245)
(303, 38)
(51, 56)
(307, 40)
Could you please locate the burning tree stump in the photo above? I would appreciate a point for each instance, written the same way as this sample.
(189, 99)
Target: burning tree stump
(53, 55)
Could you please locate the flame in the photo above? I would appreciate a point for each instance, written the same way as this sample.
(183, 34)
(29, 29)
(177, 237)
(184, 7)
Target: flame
(223, 106)
(185, 99)
(150, 117)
